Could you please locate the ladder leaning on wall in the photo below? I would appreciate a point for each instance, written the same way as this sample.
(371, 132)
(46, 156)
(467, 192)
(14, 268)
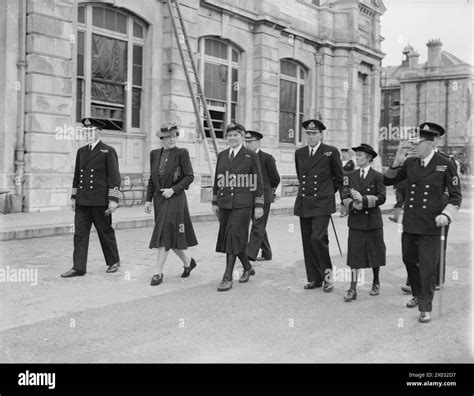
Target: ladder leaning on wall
(193, 81)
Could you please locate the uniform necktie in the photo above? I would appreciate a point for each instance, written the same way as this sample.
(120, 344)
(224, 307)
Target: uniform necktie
(422, 163)
(362, 174)
(312, 151)
(231, 155)
(90, 147)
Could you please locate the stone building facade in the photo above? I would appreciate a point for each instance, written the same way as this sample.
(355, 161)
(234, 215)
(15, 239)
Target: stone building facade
(439, 90)
(266, 64)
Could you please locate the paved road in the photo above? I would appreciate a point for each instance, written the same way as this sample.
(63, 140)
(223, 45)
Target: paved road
(120, 318)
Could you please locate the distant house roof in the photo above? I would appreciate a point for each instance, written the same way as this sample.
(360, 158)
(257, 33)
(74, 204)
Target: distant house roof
(392, 74)
(448, 59)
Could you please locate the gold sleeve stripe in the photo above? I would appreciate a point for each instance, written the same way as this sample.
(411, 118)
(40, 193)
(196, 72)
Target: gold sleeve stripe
(450, 211)
(371, 201)
(114, 193)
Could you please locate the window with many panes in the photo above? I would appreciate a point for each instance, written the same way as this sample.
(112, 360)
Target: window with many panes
(219, 73)
(110, 54)
(292, 79)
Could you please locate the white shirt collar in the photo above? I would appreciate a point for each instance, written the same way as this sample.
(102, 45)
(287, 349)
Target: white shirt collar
(315, 148)
(257, 150)
(94, 144)
(427, 159)
(366, 171)
(236, 150)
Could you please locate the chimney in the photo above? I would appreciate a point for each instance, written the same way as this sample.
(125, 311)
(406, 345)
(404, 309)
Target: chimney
(406, 52)
(413, 60)
(434, 53)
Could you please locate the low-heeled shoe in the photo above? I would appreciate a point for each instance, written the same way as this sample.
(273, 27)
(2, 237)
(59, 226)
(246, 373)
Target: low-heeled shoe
(350, 295)
(187, 270)
(224, 285)
(246, 275)
(156, 280)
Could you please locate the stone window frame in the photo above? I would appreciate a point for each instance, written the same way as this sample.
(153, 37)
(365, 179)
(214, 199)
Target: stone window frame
(134, 25)
(300, 107)
(231, 64)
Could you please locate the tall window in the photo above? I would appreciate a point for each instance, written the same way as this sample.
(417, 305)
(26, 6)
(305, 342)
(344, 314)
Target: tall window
(292, 78)
(219, 71)
(109, 67)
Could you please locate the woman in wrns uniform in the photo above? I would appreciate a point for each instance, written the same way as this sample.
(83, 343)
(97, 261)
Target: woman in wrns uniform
(170, 174)
(238, 188)
(363, 193)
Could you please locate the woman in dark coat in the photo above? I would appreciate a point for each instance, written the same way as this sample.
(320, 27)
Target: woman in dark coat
(238, 188)
(363, 193)
(171, 173)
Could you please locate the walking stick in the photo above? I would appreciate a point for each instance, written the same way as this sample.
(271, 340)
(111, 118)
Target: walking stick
(441, 267)
(335, 233)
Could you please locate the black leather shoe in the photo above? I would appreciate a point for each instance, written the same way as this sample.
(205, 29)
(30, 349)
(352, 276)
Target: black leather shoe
(425, 317)
(406, 289)
(313, 285)
(375, 291)
(156, 280)
(350, 295)
(261, 258)
(246, 275)
(113, 268)
(72, 273)
(394, 219)
(187, 270)
(328, 287)
(224, 285)
(413, 302)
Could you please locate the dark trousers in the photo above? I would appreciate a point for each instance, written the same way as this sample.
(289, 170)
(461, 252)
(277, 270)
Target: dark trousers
(258, 236)
(437, 280)
(84, 218)
(314, 233)
(422, 250)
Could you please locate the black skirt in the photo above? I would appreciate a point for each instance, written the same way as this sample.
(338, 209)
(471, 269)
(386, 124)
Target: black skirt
(233, 230)
(366, 248)
(173, 226)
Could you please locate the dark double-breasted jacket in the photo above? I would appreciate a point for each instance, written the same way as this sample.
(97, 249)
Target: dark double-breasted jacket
(270, 175)
(320, 177)
(373, 192)
(431, 191)
(238, 183)
(96, 176)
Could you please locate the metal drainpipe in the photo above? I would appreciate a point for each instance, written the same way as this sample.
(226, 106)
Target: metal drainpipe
(418, 94)
(20, 129)
(446, 83)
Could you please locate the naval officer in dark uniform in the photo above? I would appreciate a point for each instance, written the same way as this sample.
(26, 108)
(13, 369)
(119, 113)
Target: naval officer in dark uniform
(271, 180)
(363, 194)
(429, 175)
(95, 196)
(237, 194)
(319, 172)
